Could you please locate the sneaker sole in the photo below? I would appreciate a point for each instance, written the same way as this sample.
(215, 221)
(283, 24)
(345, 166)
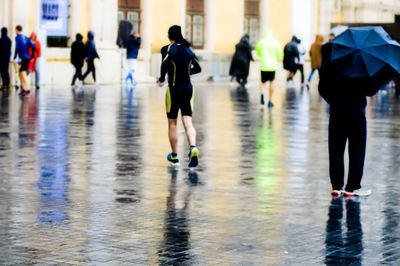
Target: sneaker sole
(354, 195)
(173, 164)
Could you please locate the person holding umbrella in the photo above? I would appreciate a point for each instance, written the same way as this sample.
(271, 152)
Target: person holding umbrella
(354, 65)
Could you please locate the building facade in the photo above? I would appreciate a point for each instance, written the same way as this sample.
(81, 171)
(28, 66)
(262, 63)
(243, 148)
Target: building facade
(212, 26)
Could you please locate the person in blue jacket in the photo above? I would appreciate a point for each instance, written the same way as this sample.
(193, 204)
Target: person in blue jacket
(179, 62)
(5, 54)
(132, 50)
(22, 45)
(91, 55)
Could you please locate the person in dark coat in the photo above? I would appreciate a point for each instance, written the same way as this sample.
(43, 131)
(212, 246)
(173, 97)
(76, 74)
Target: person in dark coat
(5, 54)
(347, 122)
(91, 55)
(291, 58)
(78, 53)
(241, 61)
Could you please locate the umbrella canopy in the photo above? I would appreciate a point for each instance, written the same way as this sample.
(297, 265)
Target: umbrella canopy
(363, 52)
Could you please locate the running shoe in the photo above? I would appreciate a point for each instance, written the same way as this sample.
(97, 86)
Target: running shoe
(270, 104)
(262, 99)
(173, 160)
(336, 192)
(193, 155)
(358, 193)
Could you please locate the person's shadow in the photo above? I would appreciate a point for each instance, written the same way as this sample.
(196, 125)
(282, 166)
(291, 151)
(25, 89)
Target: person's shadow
(175, 247)
(344, 248)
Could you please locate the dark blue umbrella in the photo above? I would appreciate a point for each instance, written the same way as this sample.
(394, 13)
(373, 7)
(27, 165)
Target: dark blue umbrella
(364, 52)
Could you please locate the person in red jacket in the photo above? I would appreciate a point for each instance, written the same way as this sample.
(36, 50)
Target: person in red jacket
(34, 64)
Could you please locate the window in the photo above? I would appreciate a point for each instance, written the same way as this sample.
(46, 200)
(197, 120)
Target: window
(133, 17)
(194, 28)
(130, 10)
(251, 23)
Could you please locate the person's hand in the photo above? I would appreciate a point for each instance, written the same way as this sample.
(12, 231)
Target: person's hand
(14, 61)
(160, 84)
(136, 35)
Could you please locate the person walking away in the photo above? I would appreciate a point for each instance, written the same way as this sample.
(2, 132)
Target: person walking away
(5, 54)
(35, 55)
(132, 50)
(78, 53)
(91, 56)
(240, 64)
(22, 45)
(300, 65)
(291, 58)
(315, 55)
(270, 51)
(180, 62)
(347, 122)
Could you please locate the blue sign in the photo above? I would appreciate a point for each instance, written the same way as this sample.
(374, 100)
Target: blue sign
(54, 17)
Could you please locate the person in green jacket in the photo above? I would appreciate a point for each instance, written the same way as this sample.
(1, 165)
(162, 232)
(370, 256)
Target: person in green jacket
(270, 51)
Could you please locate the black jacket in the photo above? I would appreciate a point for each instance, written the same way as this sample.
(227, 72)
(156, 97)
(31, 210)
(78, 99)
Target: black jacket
(5, 47)
(291, 52)
(78, 53)
(241, 59)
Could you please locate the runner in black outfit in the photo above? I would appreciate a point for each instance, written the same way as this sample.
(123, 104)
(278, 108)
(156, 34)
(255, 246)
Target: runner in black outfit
(180, 62)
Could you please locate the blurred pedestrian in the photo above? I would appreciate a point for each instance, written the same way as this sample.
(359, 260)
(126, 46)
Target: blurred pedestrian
(78, 53)
(35, 55)
(91, 55)
(270, 51)
(132, 50)
(5, 54)
(300, 64)
(22, 46)
(240, 64)
(180, 62)
(291, 58)
(315, 55)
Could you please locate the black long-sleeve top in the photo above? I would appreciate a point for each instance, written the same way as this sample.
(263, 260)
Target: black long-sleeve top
(179, 62)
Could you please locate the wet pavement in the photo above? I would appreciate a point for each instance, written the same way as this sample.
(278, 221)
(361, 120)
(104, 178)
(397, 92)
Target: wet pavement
(84, 180)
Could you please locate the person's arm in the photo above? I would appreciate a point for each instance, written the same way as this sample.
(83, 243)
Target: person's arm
(39, 48)
(164, 64)
(138, 41)
(16, 49)
(33, 47)
(195, 68)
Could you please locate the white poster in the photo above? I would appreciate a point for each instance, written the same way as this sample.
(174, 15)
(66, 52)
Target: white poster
(54, 17)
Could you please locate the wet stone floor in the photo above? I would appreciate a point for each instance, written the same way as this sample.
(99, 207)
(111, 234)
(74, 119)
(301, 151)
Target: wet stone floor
(84, 180)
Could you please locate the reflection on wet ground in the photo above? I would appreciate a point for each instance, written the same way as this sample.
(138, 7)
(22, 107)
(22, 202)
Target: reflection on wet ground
(84, 179)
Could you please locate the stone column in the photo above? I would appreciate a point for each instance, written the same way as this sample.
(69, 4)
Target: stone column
(145, 28)
(103, 21)
(74, 22)
(209, 25)
(264, 9)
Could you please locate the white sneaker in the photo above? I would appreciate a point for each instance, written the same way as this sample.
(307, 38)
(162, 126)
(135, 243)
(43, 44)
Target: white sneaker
(358, 192)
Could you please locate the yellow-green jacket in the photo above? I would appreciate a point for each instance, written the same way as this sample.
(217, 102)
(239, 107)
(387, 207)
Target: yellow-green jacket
(270, 51)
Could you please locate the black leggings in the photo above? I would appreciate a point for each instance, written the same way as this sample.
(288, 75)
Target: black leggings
(5, 76)
(77, 75)
(90, 68)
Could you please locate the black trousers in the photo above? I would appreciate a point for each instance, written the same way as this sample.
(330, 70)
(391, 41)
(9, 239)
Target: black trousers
(354, 129)
(90, 68)
(5, 75)
(77, 75)
(301, 68)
